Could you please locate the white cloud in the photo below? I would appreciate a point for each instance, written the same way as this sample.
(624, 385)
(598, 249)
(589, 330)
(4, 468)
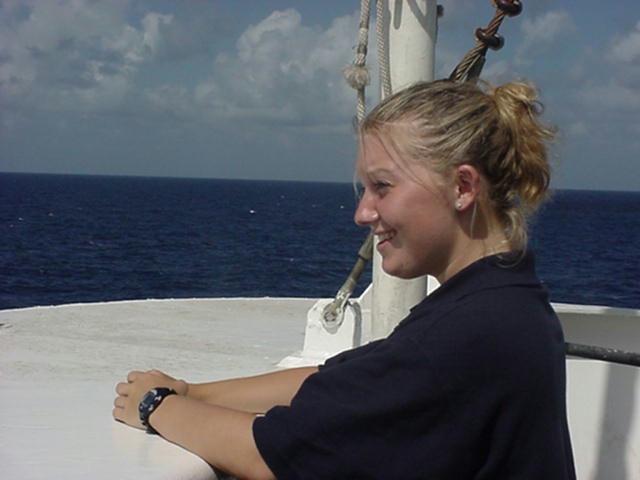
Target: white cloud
(69, 55)
(610, 97)
(497, 72)
(76, 55)
(623, 55)
(542, 32)
(626, 49)
(152, 23)
(578, 129)
(281, 72)
(545, 29)
(83, 55)
(612, 110)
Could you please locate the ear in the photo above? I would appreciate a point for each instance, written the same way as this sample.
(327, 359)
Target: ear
(467, 181)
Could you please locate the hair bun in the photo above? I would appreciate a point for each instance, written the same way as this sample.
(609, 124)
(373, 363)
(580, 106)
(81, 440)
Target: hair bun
(525, 163)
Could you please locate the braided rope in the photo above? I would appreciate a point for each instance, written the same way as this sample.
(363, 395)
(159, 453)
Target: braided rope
(383, 55)
(471, 64)
(357, 75)
(461, 72)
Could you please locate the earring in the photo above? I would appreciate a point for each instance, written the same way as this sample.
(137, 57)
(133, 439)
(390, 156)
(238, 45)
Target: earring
(458, 205)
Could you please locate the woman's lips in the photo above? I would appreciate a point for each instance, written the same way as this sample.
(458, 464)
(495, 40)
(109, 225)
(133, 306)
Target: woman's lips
(383, 239)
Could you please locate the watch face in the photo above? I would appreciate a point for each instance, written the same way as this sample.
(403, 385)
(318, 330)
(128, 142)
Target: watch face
(149, 402)
(147, 405)
(148, 398)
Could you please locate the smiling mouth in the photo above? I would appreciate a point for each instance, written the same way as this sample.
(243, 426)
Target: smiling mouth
(384, 237)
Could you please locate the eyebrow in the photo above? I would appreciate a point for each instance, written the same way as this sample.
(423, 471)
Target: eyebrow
(377, 171)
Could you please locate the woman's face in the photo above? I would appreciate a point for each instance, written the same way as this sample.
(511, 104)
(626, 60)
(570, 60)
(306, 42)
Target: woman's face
(410, 209)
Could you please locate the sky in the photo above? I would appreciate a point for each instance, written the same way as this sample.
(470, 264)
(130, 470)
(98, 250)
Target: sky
(253, 89)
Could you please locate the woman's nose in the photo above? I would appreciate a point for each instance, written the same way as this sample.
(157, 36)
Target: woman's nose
(366, 213)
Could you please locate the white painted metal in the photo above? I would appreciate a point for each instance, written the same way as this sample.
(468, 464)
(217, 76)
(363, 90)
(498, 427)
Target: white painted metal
(59, 366)
(321, 342)
(603, 399)
(410, 37)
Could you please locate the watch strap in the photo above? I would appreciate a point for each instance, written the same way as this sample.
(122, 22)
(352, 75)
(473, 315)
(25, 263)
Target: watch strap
(150, 402)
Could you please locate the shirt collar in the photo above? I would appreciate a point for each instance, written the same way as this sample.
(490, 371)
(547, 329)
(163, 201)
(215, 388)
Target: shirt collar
(487, 273)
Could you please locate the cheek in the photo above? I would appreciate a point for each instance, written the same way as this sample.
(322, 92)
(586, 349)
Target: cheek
(428, 226)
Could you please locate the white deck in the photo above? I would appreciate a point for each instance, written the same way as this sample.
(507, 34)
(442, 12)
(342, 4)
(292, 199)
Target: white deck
(59, 366)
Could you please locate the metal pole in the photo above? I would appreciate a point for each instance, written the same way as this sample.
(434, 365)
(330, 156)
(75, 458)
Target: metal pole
(612, 355)
(409, 36)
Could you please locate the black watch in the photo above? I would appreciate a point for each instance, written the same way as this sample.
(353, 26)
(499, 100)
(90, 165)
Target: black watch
(151, 400)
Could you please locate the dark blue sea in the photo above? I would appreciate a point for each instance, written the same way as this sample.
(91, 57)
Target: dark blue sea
(69, 239)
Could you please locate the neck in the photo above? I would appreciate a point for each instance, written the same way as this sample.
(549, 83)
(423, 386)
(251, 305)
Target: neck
(471, 248)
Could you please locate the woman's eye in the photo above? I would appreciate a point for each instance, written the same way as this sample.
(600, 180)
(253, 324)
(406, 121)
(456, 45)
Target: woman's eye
(380, 186)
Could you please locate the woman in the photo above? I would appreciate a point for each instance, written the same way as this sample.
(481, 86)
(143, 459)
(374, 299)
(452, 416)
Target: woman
(472, 383)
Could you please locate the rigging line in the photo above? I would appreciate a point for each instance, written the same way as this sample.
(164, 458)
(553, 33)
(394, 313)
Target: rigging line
(333, 313)
(357, 74)
(383, 54)
(471, 64)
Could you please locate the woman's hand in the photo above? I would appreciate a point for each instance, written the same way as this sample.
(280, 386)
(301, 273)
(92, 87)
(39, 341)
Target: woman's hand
(137, 385)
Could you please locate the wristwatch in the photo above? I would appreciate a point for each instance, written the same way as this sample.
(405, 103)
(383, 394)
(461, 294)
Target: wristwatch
(151, 400)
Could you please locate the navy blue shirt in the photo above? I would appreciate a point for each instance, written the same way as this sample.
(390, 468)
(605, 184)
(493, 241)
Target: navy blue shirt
(471, 385)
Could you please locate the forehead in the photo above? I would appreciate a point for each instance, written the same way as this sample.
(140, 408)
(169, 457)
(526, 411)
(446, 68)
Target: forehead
(376, 153)
(379, 155)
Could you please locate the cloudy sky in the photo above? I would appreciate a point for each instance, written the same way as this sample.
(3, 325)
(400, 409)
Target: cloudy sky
(254, 89)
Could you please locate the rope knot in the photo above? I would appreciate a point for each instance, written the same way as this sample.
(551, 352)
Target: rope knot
(511, 8)
(494, 42)
(357, 76)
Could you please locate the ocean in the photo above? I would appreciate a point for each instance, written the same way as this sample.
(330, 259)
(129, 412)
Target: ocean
(70, 239)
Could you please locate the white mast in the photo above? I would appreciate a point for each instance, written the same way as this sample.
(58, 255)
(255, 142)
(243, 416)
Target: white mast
(407, 38)
(409, 35)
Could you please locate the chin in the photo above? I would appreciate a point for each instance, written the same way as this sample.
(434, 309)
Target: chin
(402, 274)
(410, 276)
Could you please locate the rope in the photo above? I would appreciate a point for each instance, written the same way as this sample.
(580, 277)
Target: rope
(383, 54)
(471, 64)
(333, 313)
(357, 75)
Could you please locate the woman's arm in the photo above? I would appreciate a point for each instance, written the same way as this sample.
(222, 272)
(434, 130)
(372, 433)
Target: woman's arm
(221, 436)
(252, 394)
(255, 394)
(213, 420)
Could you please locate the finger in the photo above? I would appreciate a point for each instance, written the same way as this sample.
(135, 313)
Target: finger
(119, 402)
(131, 377)
(117, 414)
(122, 389)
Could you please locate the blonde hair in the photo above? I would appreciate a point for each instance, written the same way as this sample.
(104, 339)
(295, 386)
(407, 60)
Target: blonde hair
(447, 124)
